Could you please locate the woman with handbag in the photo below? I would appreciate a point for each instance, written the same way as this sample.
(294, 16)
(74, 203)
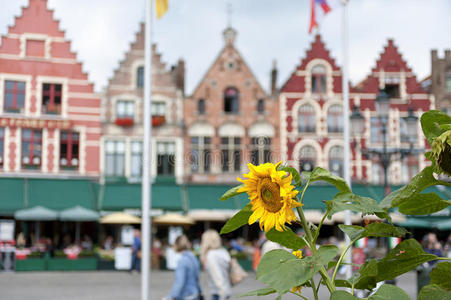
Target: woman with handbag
(216, 261)
(186, 284)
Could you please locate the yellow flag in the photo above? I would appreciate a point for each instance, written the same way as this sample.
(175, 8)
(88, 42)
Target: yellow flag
(161, 7)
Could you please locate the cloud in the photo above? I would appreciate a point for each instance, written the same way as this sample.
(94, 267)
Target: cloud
(101, 31)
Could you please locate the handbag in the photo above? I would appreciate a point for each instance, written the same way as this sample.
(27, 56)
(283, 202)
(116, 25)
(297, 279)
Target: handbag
(237, 273)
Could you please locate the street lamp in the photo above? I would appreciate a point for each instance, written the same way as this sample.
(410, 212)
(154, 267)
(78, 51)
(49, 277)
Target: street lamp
(357, 121)
(385, 155)
(382, 104)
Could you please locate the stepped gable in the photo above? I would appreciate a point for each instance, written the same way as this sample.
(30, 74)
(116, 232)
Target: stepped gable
(317, 50)
(37, 23)
(390, 60)
(136, 53)
(229, 51)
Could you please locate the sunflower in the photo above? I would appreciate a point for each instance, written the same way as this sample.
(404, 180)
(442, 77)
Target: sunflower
(441, 151)
(271, 195)
(297, 288)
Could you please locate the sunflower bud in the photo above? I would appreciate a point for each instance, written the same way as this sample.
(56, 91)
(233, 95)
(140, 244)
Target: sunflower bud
(441, 151)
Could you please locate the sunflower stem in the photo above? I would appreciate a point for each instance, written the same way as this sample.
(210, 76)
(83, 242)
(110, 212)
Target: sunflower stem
(319, 226)
(315, 293)
(312, 246)
(341, 259)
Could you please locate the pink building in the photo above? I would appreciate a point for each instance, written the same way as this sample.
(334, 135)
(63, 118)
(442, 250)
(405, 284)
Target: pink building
(50, 117)
(312, 108)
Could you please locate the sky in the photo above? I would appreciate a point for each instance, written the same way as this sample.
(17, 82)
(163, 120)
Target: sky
(101, 32)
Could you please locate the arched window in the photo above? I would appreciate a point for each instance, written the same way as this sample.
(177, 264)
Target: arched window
(201, 106)
(318, 79)
(336, 160)
(261, 106)
(140, 77)
(335, 118)
(448, 81)
(307, 158)
(306, 118)
(231, 100)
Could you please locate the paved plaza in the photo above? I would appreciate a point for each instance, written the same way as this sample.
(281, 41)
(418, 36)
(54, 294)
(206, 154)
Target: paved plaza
(121, 285)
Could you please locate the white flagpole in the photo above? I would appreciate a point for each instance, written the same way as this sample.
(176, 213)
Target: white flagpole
(146, 189)
(347, 150)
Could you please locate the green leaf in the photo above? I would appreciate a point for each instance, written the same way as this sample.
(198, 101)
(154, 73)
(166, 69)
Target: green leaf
(368, 273)
(354, 232)
(342, 283)
(322, 174)
(325, 254)
(349, 201)
(440, 275)
(389, 292)
(406, 256)
(433, 291)
(384, 230)
(430, 123)
(420, 182)
(296, 176)
(239, 219)
(342, 295)
(231, 193)
(282, 270)
(423, 204)
(259, 292)
(286, 238)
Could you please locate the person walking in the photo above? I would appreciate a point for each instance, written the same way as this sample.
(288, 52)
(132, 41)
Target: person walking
(186, 284)
(216, 261)
(136, 251)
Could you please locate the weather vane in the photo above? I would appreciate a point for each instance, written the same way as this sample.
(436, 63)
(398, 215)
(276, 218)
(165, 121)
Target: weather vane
(229, 14)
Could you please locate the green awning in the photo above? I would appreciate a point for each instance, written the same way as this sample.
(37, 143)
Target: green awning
(11, 195)
(61, 193)
(417, 223)
(37, 213)
(78, 213)
(120, 196)
(443, 225)
(206, 196)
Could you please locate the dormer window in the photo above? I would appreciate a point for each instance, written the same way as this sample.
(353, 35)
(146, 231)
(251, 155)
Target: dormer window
(260, 106)
(392, 86)
(140, 77)
(201, 107)
(318, 79)
(231, 100)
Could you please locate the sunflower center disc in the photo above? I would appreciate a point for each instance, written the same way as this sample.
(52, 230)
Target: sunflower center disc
(270, 195)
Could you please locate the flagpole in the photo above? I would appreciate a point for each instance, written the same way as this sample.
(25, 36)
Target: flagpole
(146, 195)
(346, 132)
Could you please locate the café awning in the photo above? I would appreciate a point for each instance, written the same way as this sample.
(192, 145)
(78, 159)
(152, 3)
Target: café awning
(173, 219)
(37, 213)
(120, 218)
(78, 214)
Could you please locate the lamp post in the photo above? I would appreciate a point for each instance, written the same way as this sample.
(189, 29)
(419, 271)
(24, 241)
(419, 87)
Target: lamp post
(385, 155)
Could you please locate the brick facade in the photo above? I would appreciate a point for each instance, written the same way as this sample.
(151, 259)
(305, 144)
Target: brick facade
(49, 113)
(122, 128)
(311, 103)
(441, 80)
(229, 119)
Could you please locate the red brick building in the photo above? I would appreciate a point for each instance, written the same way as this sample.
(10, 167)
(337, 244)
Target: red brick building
(49, 113)
(229, 119)
(311, 115)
